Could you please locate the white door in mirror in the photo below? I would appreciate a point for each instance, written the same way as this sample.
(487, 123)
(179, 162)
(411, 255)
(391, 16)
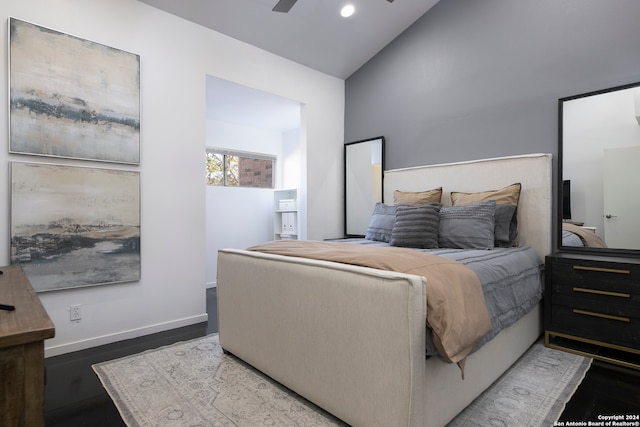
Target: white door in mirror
(622, 197)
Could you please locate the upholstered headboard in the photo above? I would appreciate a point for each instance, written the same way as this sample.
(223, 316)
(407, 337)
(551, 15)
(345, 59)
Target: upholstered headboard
(533, 171)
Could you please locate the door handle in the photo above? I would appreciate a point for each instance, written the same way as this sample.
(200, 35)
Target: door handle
(609, 216)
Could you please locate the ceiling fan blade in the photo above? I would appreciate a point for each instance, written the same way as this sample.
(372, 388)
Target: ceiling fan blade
(284, 6)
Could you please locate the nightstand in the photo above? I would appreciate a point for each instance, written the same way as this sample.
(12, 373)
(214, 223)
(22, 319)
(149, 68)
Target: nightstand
(592, 307)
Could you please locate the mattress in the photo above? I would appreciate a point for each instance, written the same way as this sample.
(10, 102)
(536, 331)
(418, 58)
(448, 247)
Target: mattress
(511, 281)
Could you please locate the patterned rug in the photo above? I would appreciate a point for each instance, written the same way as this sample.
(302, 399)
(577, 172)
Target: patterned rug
(194, 384)
(532, 393)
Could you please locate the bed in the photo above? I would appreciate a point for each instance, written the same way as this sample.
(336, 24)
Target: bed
(578, 236)
(352, 339)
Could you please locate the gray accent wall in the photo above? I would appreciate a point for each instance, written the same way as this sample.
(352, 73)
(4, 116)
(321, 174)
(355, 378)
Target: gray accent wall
(481, 78)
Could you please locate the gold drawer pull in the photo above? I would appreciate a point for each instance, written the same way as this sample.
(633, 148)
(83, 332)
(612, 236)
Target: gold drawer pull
(601, 270)
(607, 293)
(605, 316)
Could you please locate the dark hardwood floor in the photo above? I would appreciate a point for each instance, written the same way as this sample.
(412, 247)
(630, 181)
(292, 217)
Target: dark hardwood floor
(75, 397)
(605, 390)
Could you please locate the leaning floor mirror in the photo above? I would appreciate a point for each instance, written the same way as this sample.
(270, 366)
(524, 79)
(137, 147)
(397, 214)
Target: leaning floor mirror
(363, 173)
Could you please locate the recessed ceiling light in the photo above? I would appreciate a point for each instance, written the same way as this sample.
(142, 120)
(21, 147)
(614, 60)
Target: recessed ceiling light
(347, 11)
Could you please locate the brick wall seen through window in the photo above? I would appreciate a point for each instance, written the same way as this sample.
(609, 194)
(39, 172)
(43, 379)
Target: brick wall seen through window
(236, 169)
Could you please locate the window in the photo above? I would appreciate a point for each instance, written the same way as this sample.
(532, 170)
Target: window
(238, 169)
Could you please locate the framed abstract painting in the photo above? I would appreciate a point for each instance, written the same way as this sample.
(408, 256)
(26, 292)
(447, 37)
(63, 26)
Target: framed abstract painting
(72, 98)
(75, 226)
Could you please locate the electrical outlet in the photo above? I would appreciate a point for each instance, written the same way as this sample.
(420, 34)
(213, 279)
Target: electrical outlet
(74, 313)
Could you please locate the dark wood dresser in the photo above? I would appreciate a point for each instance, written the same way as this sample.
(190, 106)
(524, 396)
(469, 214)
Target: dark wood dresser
(592, 306)
(22, 335)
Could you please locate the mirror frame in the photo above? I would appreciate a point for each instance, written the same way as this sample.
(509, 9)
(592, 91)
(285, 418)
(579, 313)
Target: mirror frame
(346, 186)
(559, 185)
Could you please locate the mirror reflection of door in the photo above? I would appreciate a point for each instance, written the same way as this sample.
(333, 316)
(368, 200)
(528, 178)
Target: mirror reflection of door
(621, 204)
(364, 163)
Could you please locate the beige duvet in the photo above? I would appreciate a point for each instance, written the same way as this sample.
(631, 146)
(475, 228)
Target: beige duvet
(588, 237)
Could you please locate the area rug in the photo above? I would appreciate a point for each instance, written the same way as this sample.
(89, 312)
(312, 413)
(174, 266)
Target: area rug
(532, 393)
(194, 383)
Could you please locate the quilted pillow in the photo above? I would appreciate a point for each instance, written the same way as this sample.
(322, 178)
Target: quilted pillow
(506, 217)
(417, 197)
(416, 226)
(467, 227)
(381, 223)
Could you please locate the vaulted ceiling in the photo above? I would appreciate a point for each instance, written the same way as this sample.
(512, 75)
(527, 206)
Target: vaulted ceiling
(312, 33)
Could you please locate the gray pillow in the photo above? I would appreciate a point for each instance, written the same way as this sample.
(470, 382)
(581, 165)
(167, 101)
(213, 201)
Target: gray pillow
(467, 227)
(416, 226)
(381, 223)
(506, 226)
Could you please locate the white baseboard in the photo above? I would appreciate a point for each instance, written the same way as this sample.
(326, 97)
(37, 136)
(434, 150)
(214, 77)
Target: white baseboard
(124, 335)
(211, 285)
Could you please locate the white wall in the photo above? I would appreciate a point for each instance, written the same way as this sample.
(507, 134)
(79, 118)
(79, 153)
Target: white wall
(176, 56)
(291, 162)
(236, 218)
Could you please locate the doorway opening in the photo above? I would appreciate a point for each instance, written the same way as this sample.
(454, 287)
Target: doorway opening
(244, 119)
